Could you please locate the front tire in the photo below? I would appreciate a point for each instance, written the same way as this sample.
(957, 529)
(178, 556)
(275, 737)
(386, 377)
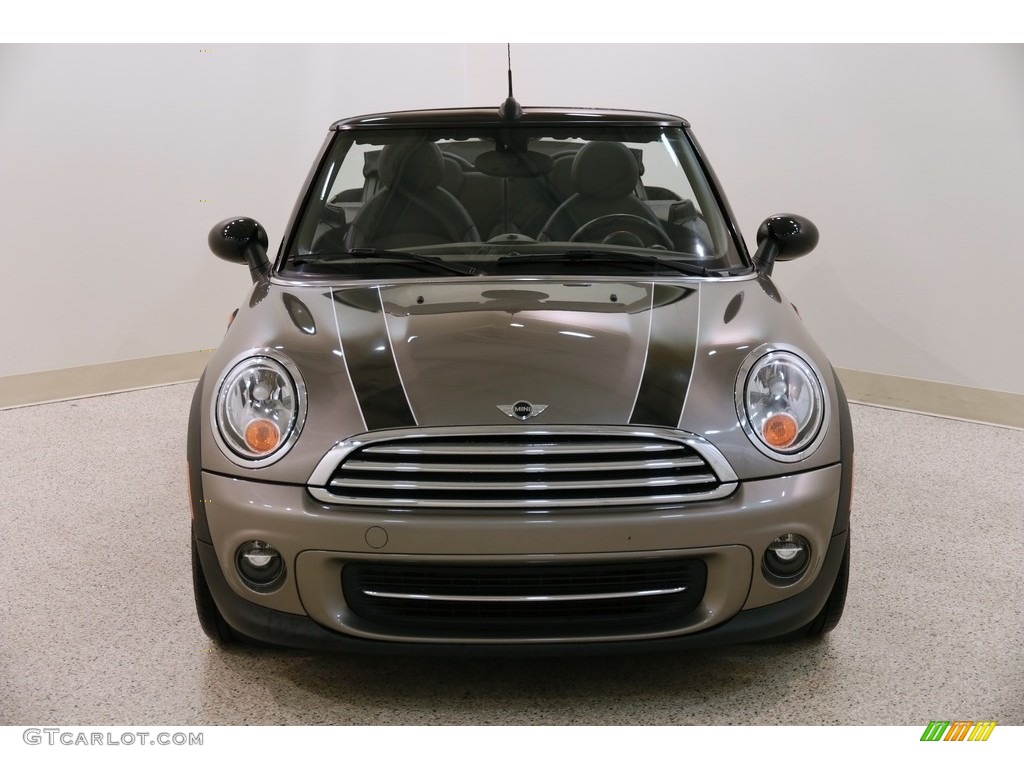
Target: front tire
(832, 612)
(210, 618)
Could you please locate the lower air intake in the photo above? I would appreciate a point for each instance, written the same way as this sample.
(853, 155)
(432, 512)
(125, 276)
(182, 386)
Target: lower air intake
(529, 600)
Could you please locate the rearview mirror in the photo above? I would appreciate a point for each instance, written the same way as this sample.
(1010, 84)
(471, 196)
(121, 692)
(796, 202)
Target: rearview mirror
(782, 237)
(241, 241)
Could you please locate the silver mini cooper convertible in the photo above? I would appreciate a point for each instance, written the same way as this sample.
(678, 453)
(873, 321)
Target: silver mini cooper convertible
(513, 382)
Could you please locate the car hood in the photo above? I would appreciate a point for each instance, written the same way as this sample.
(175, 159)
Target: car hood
(563, 352)
(660, 353)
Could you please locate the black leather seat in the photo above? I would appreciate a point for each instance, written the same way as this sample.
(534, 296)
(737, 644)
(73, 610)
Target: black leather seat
(604, 180)
(412, 208)
(560, 176)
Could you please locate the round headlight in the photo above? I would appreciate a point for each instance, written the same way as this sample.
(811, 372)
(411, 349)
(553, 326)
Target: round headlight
(258, 410)
(781, 404)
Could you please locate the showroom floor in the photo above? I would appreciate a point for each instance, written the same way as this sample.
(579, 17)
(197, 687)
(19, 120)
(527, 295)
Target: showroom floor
(98, 625)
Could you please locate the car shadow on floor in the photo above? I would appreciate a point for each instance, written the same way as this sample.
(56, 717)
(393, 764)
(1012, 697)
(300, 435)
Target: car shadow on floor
(741, 684)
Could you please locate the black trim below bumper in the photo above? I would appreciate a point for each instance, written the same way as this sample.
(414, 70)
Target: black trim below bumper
(289, 630)
(846, 456)
(195, 465)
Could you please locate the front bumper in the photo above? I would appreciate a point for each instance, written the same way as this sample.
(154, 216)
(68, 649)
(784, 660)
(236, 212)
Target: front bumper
(317, 540)
(286, 629)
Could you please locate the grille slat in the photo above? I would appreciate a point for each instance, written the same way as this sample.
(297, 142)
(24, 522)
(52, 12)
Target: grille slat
(527, 485)
(535, 445)
(524, 600)
(453, 598)
(359, 465)
(521, 470)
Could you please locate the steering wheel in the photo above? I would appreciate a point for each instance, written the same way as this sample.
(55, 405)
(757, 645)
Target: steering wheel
(608, 225)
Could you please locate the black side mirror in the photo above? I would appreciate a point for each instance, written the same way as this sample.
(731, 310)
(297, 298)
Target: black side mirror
(782, 237)
(241, 241)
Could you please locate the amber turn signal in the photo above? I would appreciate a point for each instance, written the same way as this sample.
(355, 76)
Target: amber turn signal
(779, 430)
(262, 435)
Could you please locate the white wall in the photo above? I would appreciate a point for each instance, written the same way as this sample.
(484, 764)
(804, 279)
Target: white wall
(107, 150)
(909, 158)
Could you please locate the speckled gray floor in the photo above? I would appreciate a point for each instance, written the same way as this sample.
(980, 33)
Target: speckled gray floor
(97, 624)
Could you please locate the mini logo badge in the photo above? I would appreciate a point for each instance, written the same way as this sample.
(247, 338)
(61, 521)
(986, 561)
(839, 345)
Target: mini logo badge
(522, 410)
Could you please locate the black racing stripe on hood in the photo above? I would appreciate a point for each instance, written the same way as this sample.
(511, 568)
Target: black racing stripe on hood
(371, 361)
(659, 400)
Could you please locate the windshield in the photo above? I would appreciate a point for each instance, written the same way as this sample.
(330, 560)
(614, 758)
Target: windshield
(501, 200)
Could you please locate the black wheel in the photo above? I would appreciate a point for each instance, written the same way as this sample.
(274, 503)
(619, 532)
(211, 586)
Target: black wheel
(830, 615)
(831, 612)
(649, 233)
(210, 620)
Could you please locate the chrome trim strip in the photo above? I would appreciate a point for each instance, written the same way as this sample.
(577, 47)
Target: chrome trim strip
(553, 485)
(397, 501)
(526, 598)
(357, 465)
(483, 448)
(323, 495)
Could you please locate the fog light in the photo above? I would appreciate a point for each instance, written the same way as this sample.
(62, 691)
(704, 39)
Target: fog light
(260, 565)
(787, 557)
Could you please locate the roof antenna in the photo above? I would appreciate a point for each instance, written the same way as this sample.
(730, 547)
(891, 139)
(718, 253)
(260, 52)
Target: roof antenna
(510, 109)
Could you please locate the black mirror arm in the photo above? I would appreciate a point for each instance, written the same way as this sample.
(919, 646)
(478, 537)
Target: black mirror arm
(764, 258)
(259, 265)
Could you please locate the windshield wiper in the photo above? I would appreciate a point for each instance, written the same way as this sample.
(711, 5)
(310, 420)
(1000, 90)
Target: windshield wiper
(616, 257)
(366, 253)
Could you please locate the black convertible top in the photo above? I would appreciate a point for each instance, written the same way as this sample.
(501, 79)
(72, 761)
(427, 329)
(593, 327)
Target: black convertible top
(484, 116)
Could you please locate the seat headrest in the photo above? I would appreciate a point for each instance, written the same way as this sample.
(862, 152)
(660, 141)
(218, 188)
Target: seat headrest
(411, 167)
(605, 170)
(560, 176)
(452, 176)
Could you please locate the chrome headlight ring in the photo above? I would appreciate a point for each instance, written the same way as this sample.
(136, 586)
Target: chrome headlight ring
(259, 407)
(781, 402)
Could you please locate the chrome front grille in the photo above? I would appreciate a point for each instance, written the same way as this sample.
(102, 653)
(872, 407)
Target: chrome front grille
(527, 600)
(522, 469)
